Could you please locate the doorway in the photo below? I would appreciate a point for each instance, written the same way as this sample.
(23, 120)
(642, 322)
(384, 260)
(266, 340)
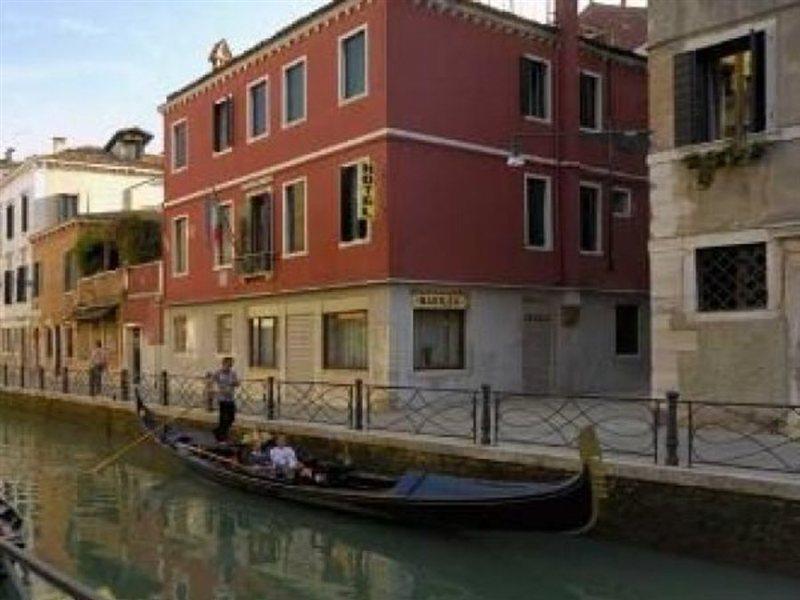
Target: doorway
(538, 338)
(135, 354)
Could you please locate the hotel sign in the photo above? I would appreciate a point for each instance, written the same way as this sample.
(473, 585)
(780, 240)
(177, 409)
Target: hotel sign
(366, 195)
(440, 300)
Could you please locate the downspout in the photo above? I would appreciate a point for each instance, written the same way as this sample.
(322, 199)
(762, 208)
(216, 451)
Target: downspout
(608, 125)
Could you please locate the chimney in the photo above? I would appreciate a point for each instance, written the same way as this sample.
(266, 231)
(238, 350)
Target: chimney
(59, 143)
(9, 154)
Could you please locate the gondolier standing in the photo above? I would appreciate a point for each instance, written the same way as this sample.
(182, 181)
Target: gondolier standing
(225, 381)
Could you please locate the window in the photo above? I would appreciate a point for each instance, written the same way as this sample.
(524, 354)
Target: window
(179, 145)
(262, 334)
(68, 341)
(294, 92)
(180, 334)
(352, 226)
(180, 239)
(70, 270)
(294, 218)
(591, 101)
(36, 286)
(48, 342)
(224, 334)
(731, 278)
(23, 217)
(257, 251)
(353, 65)
(534, 85)
(257, 109)
(22, 283)
(8, 286)
(10, 221)
(627, 330)
(621, 203)
(67, 207)
(720, 91)
(223, 124)
(537, 213)
(223, 235)
(345, 340)
(438, 339)
(590, 218)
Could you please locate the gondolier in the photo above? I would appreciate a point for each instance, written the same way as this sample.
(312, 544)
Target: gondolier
(225, 381)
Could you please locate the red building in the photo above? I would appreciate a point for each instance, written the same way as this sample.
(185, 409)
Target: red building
(340, 202)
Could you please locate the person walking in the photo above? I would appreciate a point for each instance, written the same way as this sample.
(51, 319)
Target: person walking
(225, 381)
(98, 362)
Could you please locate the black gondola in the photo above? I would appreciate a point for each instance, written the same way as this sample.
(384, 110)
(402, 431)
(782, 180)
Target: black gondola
(414, 498)
(12, 583)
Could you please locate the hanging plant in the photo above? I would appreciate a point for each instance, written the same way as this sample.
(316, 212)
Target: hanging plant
(735, 153)
(138, 239)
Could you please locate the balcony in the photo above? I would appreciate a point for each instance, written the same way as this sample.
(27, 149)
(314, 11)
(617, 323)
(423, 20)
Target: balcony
(103, 290)
(254, 264)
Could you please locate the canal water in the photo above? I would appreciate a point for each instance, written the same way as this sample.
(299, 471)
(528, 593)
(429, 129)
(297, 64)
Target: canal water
(147, 528)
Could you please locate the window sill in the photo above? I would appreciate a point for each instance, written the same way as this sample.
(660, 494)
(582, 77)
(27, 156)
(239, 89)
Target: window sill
(180, 275)
(258, 138)
(547, 248)
(295, 123)
(222, 267)
(592, 130)
(346, 101)
(592, 253)
(760, 314)
(227, 150)
(353, 243)
(291, 255)
(540, 120)
(178, 170)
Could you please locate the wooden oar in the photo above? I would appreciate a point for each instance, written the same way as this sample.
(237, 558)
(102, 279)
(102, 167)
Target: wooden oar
(107, 461)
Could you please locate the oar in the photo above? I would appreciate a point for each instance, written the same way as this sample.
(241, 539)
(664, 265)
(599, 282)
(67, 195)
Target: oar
(107, 461)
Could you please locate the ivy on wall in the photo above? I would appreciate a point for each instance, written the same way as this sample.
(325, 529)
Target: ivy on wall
(128, 240)
(735, 153)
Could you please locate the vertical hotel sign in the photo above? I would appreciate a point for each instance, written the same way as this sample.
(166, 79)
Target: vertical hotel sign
(366, 190)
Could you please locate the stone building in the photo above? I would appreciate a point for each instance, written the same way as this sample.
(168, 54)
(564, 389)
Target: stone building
(725, 229)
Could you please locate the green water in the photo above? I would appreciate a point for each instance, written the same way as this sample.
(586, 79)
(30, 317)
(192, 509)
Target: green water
(147, 528)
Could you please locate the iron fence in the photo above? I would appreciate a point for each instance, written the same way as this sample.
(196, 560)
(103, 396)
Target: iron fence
(669, 430)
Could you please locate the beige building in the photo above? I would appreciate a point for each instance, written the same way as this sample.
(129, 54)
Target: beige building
(725, 169)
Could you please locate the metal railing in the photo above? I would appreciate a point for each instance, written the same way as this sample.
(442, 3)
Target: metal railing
(669, 430)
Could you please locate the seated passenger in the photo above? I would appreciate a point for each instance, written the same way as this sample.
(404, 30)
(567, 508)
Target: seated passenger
(283, 458)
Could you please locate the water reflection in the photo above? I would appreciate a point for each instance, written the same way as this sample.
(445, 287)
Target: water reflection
(146, 528)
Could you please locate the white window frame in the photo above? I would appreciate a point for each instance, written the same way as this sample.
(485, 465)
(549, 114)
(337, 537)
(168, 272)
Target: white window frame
(368, 238)
(285, 124)
(216, 153)
(548, 97)
(218, 265)
(638, 353)
(285, 221)
(340, 45)
(548, 221)
(628, 213)
(217, 316)
(250, 137)
(174, 238)
(598, 101)
(174, 329)
(599, 250)
(175, 124)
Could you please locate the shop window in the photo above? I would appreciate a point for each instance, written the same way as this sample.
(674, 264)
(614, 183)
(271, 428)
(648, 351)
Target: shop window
(345, 340)
(438, 339)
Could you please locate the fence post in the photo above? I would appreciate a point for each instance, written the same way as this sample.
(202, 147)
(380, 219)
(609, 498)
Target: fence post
(270, 398)
(40, 368)
(22, 376)
(486, 415)
(65, 379)
(672, 428)
(124, 386)
(164, 388)
(358, 409)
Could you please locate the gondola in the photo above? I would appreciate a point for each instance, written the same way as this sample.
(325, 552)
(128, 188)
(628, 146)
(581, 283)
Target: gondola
(422, 499)
(13, 584)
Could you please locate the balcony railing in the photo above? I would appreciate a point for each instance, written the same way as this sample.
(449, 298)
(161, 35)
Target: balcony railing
(255, 263)
(100, 289)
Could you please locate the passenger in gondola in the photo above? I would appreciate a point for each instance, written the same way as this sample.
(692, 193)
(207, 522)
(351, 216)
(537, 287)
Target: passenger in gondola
(225, 381)
(283, 458)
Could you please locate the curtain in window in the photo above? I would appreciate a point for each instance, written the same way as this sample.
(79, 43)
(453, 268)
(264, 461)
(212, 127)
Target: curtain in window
(438, 339)
(295, 217)
(346, 340)
(262, 342)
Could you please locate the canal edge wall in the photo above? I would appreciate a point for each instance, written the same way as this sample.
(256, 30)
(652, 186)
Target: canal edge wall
(733, 517)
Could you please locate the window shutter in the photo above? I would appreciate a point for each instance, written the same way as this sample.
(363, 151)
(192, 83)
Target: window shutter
(229, 107)
(524, 86)
(684, 97)
(758, 120)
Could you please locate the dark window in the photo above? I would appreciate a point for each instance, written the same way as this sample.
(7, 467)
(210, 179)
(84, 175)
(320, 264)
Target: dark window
(731, 277)
(223, 124)
(258, 109)
(255, 254)
(294, 218)
(179, 141)
(590, 219)
(180, 240)
(534, 83)
(720, 91)
(627, 327)
(36, 280)
(10, 222)
(352, 226)
(67, 207)
(70, 271)
(262, 336)
(23, 217)
(438, 339)
(590, 100)
(48, 342)
(621, 203)
(22, 283)
(294, 93)
(345, 340)
(68, 341)
(537, 212)
(8, 286)
(353, 69)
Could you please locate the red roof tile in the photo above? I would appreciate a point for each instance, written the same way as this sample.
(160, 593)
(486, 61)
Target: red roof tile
(614, 25)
